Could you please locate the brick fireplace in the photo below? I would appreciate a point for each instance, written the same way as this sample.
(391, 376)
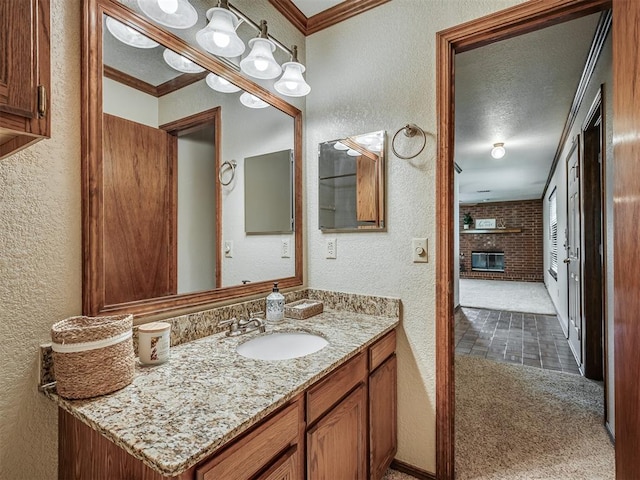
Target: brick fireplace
(516, 249)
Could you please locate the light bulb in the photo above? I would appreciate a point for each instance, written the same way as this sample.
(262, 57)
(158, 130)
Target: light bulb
(498, 150)
(221, 39)
(170, 13)
(168, 6)
(261, 64)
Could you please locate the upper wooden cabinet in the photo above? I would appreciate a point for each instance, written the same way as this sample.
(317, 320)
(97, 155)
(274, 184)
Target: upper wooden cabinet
(24, 74)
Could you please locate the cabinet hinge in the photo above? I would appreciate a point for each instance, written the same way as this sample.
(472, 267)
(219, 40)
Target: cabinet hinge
(42, 101)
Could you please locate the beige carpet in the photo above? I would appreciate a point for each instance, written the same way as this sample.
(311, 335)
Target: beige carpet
(517, 422)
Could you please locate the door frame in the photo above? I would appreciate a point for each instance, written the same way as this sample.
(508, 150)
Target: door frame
(511, 22)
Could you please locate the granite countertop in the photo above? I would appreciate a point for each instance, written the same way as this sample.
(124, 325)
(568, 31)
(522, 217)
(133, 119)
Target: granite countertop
(176, 414)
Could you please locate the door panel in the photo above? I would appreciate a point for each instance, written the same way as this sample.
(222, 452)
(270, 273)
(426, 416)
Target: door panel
(574, 275)
(139, 216)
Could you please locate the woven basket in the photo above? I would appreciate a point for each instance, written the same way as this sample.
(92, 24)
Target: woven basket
(92, 355)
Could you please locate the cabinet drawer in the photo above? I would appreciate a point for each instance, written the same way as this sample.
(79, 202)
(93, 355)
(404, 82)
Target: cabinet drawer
(381, 350)
(247, 456)
(326, 393)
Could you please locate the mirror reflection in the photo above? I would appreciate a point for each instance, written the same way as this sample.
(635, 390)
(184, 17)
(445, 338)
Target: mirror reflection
(351, 183)
(171, 226)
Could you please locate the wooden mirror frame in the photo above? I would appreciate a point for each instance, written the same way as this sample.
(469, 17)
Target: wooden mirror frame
(93, 292)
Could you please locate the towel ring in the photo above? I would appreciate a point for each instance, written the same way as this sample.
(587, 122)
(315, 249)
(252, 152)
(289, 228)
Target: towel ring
(410, 130)
(230, 165)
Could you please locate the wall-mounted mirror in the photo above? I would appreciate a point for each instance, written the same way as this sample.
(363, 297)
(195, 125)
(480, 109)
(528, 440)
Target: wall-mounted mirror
(163, 209)
(351, 183)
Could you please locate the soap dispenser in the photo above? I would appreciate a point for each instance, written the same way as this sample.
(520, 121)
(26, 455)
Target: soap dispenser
(275, 305)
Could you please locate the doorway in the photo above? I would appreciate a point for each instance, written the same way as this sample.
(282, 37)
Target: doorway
(515, 21)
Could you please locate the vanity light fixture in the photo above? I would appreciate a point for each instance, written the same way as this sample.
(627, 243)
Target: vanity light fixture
(180, 63)
(340, 146)
(220, 84)
(292, 82)
(353, 153)
(219, 36)
(170, 13)
(128, 35)
(260, 62)
(498, 150)
(251, 101)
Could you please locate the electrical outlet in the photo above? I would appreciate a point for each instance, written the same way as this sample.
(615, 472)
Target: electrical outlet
(420, 250)
(228, 248)
(286, 248)
(331, 247)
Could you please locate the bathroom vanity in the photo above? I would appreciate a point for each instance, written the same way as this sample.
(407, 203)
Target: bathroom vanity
(210, 413)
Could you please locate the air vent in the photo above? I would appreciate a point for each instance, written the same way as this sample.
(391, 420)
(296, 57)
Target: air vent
(483, 191)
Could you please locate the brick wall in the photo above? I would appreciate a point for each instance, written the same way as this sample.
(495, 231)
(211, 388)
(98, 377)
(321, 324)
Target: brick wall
(522, 251)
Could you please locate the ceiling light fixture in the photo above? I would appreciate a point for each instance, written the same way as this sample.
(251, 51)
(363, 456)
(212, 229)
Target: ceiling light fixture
(220, 84)
(180, 63)
(128, 35)
(219, 36)
(170, 13)
(498, 150)
(292, 82)
(260, 62)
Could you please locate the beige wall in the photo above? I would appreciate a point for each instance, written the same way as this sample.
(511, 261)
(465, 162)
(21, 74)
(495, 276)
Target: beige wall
(371, 72)
(40, 258)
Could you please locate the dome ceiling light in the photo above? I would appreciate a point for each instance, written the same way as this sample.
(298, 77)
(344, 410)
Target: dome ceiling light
(498, 150)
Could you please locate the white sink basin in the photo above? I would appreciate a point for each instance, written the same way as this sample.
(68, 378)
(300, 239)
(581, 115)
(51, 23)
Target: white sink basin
(282, 346)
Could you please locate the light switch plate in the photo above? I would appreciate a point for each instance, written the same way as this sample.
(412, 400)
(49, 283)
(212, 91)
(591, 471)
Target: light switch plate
(228, 248)
(419, 247)
(286, 248)
(331, 249)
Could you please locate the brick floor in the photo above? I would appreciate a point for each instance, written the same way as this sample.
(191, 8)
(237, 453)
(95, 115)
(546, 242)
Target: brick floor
(522, 338)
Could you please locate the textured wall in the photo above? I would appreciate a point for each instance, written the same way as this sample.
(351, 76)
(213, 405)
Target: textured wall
(377, 71)
(522, 251)
(40, 259)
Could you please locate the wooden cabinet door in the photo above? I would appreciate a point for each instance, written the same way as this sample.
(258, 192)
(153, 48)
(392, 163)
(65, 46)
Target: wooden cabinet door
(287, 467)
(24, 73)
(247, 457)
(337, 444)
(383, 440)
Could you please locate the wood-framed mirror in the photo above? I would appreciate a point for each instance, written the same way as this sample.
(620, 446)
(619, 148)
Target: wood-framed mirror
(162, 174)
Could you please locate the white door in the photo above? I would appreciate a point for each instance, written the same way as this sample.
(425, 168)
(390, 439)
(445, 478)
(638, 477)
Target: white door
(573, 255)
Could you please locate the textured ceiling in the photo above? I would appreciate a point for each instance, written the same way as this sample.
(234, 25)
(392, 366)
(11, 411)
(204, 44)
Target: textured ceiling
(519, 92)
(312, 7)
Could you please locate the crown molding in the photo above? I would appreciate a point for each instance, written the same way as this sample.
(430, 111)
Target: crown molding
(326, 18)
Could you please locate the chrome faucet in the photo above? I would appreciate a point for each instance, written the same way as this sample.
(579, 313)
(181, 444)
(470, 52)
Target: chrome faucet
(244, 325)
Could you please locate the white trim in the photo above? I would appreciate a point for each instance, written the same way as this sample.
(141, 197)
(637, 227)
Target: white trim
(84, 346)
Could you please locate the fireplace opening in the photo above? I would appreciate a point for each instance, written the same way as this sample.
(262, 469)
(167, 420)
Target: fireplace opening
(487, 261)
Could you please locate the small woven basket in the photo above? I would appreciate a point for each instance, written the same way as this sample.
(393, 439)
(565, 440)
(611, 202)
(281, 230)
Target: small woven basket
(92, 355)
